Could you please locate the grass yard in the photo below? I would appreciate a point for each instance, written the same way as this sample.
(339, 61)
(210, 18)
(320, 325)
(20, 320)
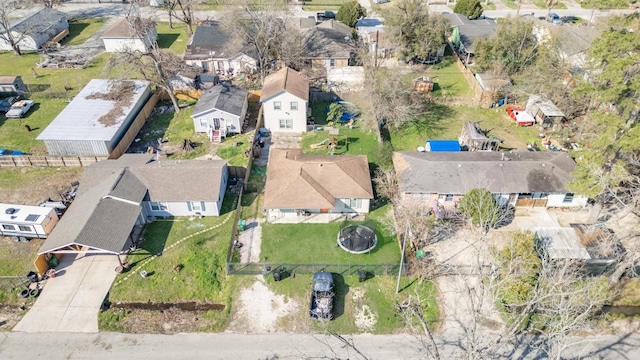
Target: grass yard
(512, 4)
(233, 148)
(292, 243)
(629, 293)
(369, 306)
(200, 261)
(80, 30)
(319, 5)
(447, 79)
(445, 122)
(175, 39)
(543, 5)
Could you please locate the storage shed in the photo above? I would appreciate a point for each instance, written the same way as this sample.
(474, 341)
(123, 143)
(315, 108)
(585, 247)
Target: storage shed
(442, 145)
(474, 139)
(27, 222)
(11, 85)
(544, 111)
(95, 121)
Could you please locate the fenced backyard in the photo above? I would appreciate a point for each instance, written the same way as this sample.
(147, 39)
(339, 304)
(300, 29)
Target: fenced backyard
(290, 269)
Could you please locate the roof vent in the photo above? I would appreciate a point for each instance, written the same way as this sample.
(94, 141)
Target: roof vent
(543, 165)
(10, 211)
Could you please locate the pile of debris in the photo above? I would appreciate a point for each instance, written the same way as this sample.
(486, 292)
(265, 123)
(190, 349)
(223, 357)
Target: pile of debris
(53, 61)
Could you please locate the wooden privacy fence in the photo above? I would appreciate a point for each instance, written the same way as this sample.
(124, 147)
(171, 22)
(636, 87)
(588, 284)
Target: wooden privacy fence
(135, 127)
(49, 160)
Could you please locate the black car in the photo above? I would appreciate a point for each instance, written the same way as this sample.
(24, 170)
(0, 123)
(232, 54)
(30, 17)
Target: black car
(325, 15)
(321, 304)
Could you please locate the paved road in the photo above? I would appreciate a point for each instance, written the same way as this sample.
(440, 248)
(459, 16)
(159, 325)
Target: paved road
(265, 346)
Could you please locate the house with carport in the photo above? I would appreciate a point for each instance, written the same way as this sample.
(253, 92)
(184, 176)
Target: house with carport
(117, 197)
(519, 178)
(221, 110)
(315, 188)
(285, 101)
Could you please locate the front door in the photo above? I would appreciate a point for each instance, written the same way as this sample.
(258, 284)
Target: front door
(216, 123)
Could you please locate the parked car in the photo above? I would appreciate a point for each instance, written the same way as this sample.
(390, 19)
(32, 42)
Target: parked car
(5, 104)
(380, 1)
(321, 304)
(325, 15)
(5, 152)
(520, 116)
(19, 109)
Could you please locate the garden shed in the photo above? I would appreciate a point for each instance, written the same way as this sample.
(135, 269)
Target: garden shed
(97, 119)
(11, 85)
(544, 111)
(474, 139)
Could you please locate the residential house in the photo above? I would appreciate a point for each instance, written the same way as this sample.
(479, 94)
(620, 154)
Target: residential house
(328, 44)
(466, 32)
(521, 178)
(544, 111)
(211, 49)
(285, 101)
(11, 85)
(321, 188)
(117, 196)
(34, 31)
(95, 122)
(124, 36)
(220, 110)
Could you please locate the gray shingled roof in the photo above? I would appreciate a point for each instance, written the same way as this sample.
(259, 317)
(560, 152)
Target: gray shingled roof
(111, 191)
(224, 97)
(329, 39)
(470, 30)
(39, 22)
(459, 172)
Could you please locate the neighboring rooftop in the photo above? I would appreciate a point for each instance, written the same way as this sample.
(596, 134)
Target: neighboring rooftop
(470, 30)
(39, 21)
(499, 172)
(288, 80)
(314, 182)
(328, 39)
(561, 243)
(123, 29)
(545, 105)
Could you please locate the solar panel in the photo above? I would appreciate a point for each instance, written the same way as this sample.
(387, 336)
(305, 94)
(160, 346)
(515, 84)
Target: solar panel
(32, 217)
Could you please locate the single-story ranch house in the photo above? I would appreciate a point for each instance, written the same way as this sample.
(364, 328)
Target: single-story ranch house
(123, 37)
(32, 32)
(116, 195)
(220, 110)
(96, 120)
(299, 188)
(522, 178)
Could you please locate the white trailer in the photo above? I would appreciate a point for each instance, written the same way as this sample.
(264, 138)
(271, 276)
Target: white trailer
(24, 222)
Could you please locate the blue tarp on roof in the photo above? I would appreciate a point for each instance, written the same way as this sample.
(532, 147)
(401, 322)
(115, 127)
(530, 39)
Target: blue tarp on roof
(442, 145)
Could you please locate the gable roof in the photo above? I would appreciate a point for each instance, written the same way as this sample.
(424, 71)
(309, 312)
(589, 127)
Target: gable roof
(39, 22)
(328, 39)
(314, 182)
(211, 40)
(109, 199)
(545, 105)
(8, 79)
(288, 80)
(224, 97)
(470, 30)
(499, 172)
(123, 30)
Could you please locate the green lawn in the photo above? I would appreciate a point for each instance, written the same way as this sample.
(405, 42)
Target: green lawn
(82, 29)
(448, 80)
(233, 149)
(513, 4)
(319, 5)
(377, 295)
(175, 39)
(445, 122)
(629, 293)
(543, 5)
(316, 243)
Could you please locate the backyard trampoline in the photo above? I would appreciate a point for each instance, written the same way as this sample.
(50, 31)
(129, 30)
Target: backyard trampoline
(357, 239)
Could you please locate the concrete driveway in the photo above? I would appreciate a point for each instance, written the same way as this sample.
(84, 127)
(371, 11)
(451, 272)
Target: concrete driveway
(70, 302)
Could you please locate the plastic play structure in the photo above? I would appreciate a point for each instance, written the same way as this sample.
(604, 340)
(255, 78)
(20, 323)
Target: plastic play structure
(357, 239)
(330, 142)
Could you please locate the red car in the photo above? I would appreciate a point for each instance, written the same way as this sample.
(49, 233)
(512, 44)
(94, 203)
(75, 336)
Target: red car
(520, 116)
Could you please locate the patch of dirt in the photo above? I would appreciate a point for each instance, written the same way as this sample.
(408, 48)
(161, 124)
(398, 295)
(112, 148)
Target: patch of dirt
(170, 321)
(10, 315)
(34, 190)
(365, 319)
(121, 94)
(261, 309)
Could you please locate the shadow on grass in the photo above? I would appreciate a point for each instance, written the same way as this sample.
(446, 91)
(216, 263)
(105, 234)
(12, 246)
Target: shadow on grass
(166, 40)
(432, 122)
(341, 290)
(154, 240)
(75, 29)
(229, 203)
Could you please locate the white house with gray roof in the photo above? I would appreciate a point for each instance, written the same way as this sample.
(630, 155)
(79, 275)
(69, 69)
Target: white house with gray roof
(521, 178)
(33, 31)
(220, 110)
(116, 195)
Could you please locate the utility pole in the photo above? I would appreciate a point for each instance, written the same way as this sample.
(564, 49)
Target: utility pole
(404, 244)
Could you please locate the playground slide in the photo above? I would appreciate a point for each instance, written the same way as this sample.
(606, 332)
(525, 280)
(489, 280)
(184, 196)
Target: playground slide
(321, 145)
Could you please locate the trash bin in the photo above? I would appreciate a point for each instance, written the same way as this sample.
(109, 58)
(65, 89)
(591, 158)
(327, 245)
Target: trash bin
(362, 275)
(53, 262)
(32, 276)
(241, 225)
(420, 253)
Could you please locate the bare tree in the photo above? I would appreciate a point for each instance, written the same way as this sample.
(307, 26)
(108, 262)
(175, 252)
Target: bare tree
(181, 10)
(412, 311)
(7, 33)
(154, 64)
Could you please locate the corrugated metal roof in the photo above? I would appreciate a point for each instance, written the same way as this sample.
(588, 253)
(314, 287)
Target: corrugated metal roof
(80, 120)
(499, 172)
(545, 105)
(562, 243)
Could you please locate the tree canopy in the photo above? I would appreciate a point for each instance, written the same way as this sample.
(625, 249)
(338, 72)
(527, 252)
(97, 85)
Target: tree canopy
(350, 12)
(419, 33)
(480, 205)
(513, 46)
(469, 8)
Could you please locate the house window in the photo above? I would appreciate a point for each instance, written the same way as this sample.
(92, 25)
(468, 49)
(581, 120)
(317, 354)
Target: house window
(286, 124)
(277, 105)
(158, 205)
(204, 123)
(332, 62)
(294, 105)
(568, 198)
(448, 198)
(355, 203)
(8, 227)
(25, 228)
(416, 196)
(196, 206)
